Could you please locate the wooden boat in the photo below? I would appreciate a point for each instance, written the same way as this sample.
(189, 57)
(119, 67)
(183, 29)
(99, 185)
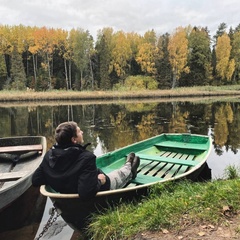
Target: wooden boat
(19, 157)
(165, 157)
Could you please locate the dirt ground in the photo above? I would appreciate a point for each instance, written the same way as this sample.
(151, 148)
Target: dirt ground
(227, 231)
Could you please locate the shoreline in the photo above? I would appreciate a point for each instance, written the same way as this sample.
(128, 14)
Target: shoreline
(173, 94)
(195, 99)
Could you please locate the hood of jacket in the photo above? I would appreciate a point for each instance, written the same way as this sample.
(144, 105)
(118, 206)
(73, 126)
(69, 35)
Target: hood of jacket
(61, 158)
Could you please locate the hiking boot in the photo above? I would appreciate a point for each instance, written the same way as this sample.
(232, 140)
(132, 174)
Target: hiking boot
(135, 165)
(130, 158)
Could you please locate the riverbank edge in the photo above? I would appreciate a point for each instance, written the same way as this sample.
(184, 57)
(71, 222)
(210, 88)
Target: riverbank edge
(31, 96)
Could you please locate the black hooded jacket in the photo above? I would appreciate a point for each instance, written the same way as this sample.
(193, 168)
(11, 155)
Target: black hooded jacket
(70, 169)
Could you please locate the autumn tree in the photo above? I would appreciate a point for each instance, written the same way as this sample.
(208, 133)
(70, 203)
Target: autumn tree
(44, 45)
(220, 31)
(225, 66)
(147, 53)
(121, 55)
(150, 37)
(178, 52)
(65, 52)
(134, 40)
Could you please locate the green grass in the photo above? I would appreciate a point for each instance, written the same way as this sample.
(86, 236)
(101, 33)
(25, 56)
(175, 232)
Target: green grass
(169, 206)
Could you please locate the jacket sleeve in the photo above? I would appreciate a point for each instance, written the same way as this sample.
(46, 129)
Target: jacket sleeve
(88, 183)
(38, 177)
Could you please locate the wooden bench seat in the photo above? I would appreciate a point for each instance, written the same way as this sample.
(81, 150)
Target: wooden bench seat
(189, 163)
(192, 146)
(12, 176)
(21, 148)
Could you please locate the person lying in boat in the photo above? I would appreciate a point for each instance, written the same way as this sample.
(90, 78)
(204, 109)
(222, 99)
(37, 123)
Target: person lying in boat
(69, 168)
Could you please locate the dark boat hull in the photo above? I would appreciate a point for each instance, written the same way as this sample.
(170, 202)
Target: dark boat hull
(15, 176)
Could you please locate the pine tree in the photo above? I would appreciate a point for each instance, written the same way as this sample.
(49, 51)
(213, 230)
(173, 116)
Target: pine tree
(18, 75)
(199, 60)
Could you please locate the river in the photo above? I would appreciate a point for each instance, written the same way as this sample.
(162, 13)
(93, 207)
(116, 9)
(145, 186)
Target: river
(112, 125)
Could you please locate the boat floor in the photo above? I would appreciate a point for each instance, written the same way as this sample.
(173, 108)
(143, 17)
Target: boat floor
(11, 172)
(154, 168)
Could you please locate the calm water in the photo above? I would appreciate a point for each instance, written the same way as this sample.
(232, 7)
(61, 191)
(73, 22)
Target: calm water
(111, 125)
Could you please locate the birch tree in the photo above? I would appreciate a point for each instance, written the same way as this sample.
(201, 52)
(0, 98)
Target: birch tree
(224, 65)
(82, 47)
(121, 54)
(178, 52)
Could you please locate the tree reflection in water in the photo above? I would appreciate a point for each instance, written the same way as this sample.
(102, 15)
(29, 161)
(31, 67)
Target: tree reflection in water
(111, 125)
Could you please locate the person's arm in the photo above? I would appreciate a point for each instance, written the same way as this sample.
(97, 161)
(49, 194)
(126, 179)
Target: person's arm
(38, 178)
(88, 182)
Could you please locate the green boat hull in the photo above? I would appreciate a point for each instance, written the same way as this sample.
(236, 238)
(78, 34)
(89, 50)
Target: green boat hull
(166, 157)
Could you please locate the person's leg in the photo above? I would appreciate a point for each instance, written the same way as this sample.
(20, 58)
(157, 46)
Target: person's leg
(120, 177)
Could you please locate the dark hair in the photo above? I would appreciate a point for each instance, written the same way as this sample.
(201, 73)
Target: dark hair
(65, 131)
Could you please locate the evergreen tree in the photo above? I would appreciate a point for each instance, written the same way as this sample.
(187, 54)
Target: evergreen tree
(18, 76)
(235, 54)
(3, 71)
(164, 69)
(199, 59)
(220, 31)
(103, 48)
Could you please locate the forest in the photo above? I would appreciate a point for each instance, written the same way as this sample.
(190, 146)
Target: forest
(41, 58)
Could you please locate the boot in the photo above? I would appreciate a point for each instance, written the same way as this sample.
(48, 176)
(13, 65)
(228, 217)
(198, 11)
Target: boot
(135, 165)
(130, 158)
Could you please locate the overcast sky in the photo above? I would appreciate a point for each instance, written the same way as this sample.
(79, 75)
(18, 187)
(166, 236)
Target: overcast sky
(127, 15)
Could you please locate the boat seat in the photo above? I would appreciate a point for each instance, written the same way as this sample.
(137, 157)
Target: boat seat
(21, 148)
(178, 161)
(182, 145)
(12, 176)
(145, 179)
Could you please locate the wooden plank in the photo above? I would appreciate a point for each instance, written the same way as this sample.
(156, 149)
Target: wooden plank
(174, 169)
(21, 148)
(12, 176)
(183, 169)
(183, 145)
(167, 166)
(144, 169)
(145, 179)
(168, 160)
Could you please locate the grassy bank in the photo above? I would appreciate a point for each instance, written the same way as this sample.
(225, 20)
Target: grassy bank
(10, 96)
(172, 207)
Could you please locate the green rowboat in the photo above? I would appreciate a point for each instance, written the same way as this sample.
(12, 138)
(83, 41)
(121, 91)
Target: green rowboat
(165, 157)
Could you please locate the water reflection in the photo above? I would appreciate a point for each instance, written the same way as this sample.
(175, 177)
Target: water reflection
(112, 125)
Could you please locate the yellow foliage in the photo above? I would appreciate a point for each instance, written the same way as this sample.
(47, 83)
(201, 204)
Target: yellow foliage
(225, 66)
(146, 57)
(178, 51)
